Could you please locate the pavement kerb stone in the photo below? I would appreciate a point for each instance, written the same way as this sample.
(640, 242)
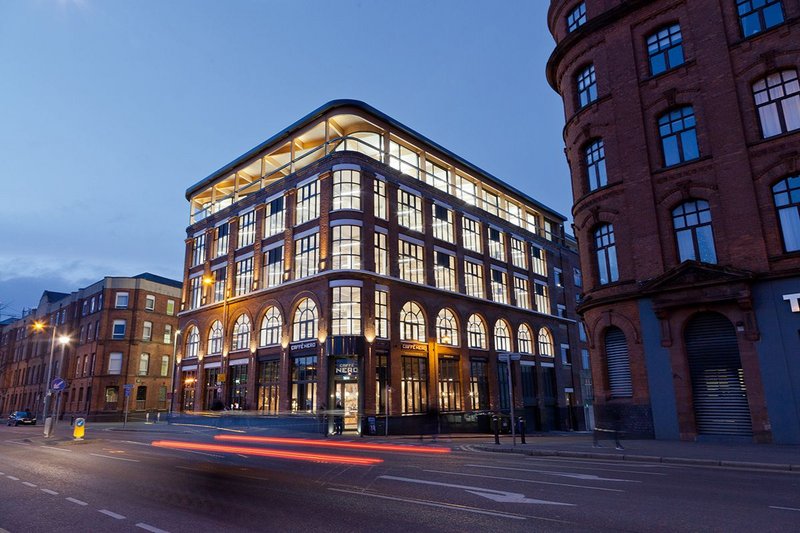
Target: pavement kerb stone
(761, 466)
(642, 458)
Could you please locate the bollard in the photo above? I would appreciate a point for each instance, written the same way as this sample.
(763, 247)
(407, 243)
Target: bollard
(158, 417)
(522, 430)
(147, 418)
(496, 422)
(78, 432)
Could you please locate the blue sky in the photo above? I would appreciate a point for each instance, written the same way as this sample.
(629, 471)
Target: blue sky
(111, 109)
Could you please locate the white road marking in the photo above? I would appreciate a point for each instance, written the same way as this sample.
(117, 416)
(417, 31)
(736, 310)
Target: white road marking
(618, 463)
(19, 443)
(111, 514)
(148, 527)
(436, 504)
(117, 458)
(783, 508)
(55, 449)
(73, 500)
(12, 478)
(537, 482)
(211, 427)
(48, 491)
(586, 477)
(136, 442)
(497, 495)
(28, 483)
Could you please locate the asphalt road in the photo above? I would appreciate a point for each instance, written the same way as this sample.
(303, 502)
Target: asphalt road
(118, 481)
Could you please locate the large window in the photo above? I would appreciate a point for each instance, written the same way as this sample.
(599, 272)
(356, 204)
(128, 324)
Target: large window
(522, 296)
(347, 189)
(409, 210)
(380, 207)
(471, 233)
(786, 194)
(692, 221)
(220, 276)
(606, 252)
(587, 86)
(144, 364)
(678, 132)
(545, 343)
(215, 338)
(502, 336)
(274, 218)
(346, 311)
(268, 386)
(539, 261)
(118, 329)
(199, 250)
(466, 190)
(499, 286)
(223, 233)
(403, 159)
(443, 223)
(576, 17)
(307, 202)
(756, 16)
(665, 49)
(437, 176)
(476, 332)
(273, 267)
(241, 334)
(244, 276)
(524, 339)
(271, 327)
(518, 256)
(497, 245)
(412, 323)
(473, 279)
(381, 254)
(304, 384)
(778, 102)
(115, 363)
(415, 385)
(192, 342)
(449, 384)
(382, 314)
(411, 262)
(618, 364)
(346, 247)
(542, 297)
(446, 328)
(247, 229)
(479, 384)
(304, 325)
(306, 256)
(596, 164)
(445, 271)
(491, 202)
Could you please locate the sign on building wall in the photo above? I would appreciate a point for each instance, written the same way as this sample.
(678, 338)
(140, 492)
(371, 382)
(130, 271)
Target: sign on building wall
(794, 301)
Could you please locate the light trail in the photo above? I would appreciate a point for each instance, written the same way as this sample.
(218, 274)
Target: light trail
(335, 444)
(261, 452)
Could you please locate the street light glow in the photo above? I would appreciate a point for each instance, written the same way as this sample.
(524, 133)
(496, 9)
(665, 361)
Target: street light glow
(63, 339)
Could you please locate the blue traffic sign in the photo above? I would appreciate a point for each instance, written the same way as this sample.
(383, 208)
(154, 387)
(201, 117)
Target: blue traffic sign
(80, 422)
(127, 388)
(58, 384)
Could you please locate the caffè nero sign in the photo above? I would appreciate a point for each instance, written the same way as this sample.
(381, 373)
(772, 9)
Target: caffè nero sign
(307, 345)
(414, 346)
(794, 301)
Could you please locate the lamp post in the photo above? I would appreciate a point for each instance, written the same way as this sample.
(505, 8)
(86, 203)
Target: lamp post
(41, 326)
(174, 369)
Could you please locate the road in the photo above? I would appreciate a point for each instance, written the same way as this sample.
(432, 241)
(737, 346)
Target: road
(119, 481)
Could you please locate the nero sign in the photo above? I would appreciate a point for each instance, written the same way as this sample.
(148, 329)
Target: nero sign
(794, 301)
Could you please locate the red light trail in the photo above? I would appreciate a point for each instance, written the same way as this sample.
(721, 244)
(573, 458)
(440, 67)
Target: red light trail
(334, 444)
(261, 452)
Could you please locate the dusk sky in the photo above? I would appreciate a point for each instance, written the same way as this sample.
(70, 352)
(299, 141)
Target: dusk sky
(111, 109)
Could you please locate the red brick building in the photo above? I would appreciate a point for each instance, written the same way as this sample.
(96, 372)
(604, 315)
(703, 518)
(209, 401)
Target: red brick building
(682, 134)
(350, 262)
(119, 331)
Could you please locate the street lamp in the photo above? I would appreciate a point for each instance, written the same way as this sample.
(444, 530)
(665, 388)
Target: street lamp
(507, 358)
(174, 368)
(63, 340)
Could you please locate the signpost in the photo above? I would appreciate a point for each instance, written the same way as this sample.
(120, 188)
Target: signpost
(128, 387)
(58, 385)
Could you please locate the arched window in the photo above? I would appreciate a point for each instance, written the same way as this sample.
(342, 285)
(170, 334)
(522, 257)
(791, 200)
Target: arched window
(241, 334)
(692, 222)
(606, 250)
(215, 338)
(412, 323)
(502, 336)
(524, 339)
(271, 326)
(305, 320)
(587, 86)
(595, 153)
(192, 342)
(476, 332)
(786, 194)
(446, 328)
(678, 132)
(618, 364)
(545, 343)
(778, 102)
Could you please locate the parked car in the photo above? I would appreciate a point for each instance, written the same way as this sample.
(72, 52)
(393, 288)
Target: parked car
(21, 417)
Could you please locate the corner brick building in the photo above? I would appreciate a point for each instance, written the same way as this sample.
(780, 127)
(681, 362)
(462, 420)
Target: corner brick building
(682, 135)
(350, 263)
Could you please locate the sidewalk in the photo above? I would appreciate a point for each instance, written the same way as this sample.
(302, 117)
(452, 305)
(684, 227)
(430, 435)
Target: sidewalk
(729, 454)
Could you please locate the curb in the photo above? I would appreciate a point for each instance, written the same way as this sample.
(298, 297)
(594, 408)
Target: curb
(780, 467)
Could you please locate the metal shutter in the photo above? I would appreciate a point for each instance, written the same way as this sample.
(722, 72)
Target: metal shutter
(619, 364)
(718, 389)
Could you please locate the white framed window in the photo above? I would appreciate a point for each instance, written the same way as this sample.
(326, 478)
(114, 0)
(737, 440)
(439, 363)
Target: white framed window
(381, 202)
(164, 366)
(144, 364)
(443, 224)
(382, 314)
(497, 245)
(471, 233)
(115, 363)
(491, 202)
(545, 343)
(167, 333)
(215, 338)
(502, 336)
(437, 176)
(409, 210)
(220, 277)
(241, 334)
(445, 271)
(538, 260)
(542, 298)
(223, 238)
(524, 339)
(306, 256)
(346, 247)
(347, 190)
(473, 279)
(305, 322)
(273, 266)
(149, 302)
(244, 276)
(247, 229)
(195, 292)
(404, 159)
(499, 286)
(411, 261)
(274, 217)
(170, 307)
(192, 342)
(147, 330)
(381, 254)
(447, 328)
(466, 190)
(307, 202)
(118, 331)
(522, 295)
(518, 256)
(476, 332)
(346, 311)
(271, 327)
(199, 249)
(412, 323)
(121, 301)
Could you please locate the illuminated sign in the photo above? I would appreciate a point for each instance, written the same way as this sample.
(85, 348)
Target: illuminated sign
(415, 346)
(347, 368)
(307, 345)
(794, 301)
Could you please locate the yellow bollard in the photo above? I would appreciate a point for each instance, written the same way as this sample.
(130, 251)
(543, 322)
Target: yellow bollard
(80, 426)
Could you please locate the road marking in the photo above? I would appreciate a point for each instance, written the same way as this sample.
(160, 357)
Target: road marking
(117, 458)
(496, 495)
(111, 514)
(55, 449)
(211, 427)
(148, 527)
(436, 504)
(783, 508)
(48, 491)
(19, 443)
(73, 500)
(585, 477)
(525, 480)
(28, 483)
(136, 442)
(12, 478)
(583, 461)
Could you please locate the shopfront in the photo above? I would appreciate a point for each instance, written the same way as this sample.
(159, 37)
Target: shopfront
(345, 356)
(188, 381)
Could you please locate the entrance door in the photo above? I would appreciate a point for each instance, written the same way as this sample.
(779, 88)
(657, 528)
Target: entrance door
(347, 394)
(718, 389)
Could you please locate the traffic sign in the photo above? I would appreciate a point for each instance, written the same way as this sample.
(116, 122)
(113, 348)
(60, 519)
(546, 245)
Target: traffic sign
(80, 428)
(58, 384)
(128, 387)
